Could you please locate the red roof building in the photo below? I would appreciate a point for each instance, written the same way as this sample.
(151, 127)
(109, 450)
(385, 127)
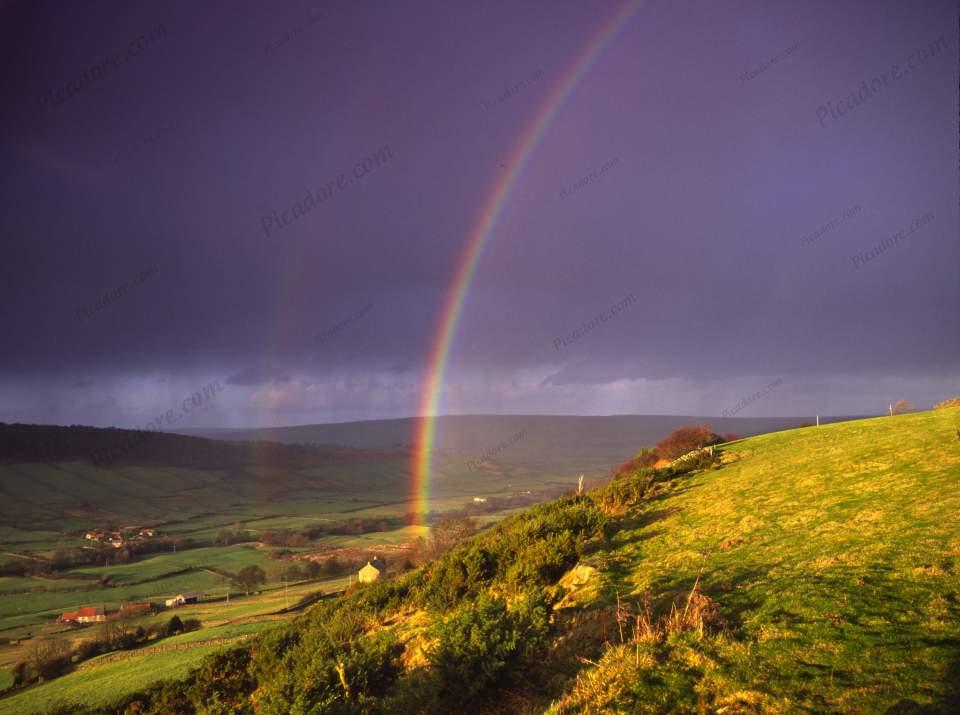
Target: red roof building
(85, 614)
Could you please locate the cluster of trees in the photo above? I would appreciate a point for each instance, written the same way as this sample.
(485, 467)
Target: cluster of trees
(444, 535)
(227, 537)
(311, 570)
(900, 407)
(49, 657)
(303, 537)
(249, 578)
(686, 439)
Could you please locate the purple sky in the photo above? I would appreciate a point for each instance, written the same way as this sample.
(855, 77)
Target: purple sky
(138, 261)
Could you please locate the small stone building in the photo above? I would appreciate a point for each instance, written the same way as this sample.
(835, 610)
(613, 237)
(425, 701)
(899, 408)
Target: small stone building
(372, 571)
(182, 599)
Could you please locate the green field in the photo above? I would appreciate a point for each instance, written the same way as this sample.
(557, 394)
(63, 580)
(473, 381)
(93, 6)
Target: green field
(6, 679)
(107, 677)
(47, 507)
(99, 684)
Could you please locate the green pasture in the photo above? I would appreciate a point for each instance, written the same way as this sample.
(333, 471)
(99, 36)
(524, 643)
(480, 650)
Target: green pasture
(833, 554)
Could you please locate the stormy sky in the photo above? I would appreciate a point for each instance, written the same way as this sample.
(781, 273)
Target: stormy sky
(759, 198)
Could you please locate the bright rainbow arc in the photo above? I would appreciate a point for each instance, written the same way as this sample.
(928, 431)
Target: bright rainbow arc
(482, 227)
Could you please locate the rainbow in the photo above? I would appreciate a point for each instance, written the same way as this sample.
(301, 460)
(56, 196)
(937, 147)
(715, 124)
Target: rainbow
(481, 228)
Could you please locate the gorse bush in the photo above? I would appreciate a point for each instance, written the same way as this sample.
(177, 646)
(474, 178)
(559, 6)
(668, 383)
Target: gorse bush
(623, 492)
(644, 458)
(332, 672)
(481, 642)
(532, 549)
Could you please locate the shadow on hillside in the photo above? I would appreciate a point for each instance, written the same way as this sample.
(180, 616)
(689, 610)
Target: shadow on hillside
(949, 705)
(733, 601)
(952, 701)
(645, 519)
(677, 490)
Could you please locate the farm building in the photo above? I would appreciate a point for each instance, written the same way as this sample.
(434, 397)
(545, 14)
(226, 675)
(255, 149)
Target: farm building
(372, 571)
(182, 599)
(137, 609)
(86, 614)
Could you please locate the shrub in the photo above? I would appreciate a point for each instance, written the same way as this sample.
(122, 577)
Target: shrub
(335, 667)
(531, 549)
(618, 495)
(686, 439)
(645, 458)
(952, 402)
(446, 534)
(543, 561)
(458, 576)
(482, 642)
(222, 683)
(174, 626)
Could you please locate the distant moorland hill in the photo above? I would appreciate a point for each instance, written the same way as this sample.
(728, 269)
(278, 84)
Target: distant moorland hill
(553, 438)
(76, 477)
(111, 446)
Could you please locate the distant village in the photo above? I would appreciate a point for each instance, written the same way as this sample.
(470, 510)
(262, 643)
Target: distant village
(118, 538)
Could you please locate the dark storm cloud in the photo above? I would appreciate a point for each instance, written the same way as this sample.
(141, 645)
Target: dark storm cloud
(727, 215)
(257, 375)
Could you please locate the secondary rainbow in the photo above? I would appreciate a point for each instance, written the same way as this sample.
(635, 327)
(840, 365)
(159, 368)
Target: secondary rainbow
(483, 225)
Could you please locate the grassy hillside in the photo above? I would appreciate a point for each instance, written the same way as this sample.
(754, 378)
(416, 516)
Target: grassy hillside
(835, 554)
(814, 570)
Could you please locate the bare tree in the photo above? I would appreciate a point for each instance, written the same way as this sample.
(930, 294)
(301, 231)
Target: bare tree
(901, 407)
(48, 655)
(445, 534)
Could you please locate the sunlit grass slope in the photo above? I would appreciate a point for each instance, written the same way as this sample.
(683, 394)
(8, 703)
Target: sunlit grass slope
(833, 553)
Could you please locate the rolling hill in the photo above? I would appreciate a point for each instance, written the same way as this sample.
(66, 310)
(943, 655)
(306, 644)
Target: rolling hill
(66, 478)
(596, 443)
(809, 570)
